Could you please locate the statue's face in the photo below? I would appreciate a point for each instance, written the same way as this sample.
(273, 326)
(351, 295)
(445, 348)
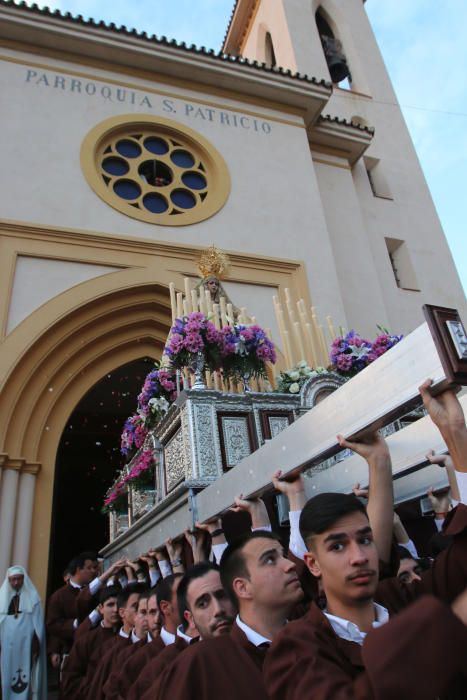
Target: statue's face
(16, 581)
(213, 285)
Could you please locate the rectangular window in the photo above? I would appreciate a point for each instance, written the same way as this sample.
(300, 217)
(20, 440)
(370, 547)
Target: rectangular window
(378, 183)
(402, 267)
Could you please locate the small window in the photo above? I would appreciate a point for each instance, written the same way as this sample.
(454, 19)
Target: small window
(402, 267)
(376, 178)
(270, 56)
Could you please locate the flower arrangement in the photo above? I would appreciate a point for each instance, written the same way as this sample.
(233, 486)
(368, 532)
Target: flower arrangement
(192, 334)
(116, 498)
(133, 435)
(352, 353)
(291, 381)
(158, 391)
(245, 351)
(141, 473)
(138, 474)
(382, 343)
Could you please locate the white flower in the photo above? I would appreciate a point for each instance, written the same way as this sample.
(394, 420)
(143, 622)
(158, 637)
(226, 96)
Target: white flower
(160, 405)
(293, 375)
(302, 364)
(294, 388)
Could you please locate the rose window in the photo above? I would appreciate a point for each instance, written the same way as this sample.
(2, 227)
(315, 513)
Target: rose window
(155, 170)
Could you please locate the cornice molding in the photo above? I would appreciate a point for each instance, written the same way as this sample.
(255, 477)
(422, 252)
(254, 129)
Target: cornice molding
(203, 69)
(14, 464)
(348, 140)
(95, 239)
(31, 468)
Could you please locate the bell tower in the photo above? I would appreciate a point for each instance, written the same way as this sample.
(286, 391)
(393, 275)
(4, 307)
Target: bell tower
(382, 225)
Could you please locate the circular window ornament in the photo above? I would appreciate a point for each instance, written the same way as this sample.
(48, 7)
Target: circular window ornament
(155, 170)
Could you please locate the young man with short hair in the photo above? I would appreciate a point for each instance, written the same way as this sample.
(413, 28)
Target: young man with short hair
(409, 567)
(137, 639)
(87, 650)
(162, 604)
(62, 617)
(264, 586)
(206, 611)
(127, 605)
(350, 649)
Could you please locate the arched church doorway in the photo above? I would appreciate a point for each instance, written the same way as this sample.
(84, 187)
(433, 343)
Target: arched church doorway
(85, 334)
(88, 457)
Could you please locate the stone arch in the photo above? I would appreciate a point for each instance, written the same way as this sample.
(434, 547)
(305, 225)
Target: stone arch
(85, 333)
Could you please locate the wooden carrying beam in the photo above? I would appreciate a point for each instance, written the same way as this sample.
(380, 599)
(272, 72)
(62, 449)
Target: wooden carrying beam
(408, 448)
(378, 395)
(381, 393)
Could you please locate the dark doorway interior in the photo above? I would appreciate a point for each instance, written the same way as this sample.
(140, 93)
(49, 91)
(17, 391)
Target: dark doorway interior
(87, 459)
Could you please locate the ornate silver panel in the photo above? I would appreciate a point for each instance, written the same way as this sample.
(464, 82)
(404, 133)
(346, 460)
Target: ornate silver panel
(236, 439)
(277, 424)
(175, 460)
(207, 447)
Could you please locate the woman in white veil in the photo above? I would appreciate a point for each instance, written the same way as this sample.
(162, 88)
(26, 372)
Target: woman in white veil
(23, 658)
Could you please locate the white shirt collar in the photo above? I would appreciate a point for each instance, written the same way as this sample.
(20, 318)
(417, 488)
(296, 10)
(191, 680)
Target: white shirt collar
(74, 585)
(123, 634)
(350, 631)
(254, 637)
(134, 638)
(167, 637)
(181, 633)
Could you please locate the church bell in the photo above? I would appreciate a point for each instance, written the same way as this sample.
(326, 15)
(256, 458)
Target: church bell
(335, 58)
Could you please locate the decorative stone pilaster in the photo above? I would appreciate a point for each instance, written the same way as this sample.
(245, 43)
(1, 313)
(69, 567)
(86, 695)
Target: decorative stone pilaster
(25, 505)
(8, 497)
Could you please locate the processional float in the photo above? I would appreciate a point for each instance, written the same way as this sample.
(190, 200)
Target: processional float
(294, 433)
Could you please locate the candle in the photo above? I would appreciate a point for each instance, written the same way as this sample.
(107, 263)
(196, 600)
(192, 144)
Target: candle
(173, 302)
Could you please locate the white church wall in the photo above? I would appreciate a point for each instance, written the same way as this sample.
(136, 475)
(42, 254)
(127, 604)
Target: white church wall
(274, 208)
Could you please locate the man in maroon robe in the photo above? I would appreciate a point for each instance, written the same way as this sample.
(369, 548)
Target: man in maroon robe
(162, 605)
(350, 649)
(86, 652)
(127, 603)
(264, 586)
(62, 618)
(206, 611)
(138, 639)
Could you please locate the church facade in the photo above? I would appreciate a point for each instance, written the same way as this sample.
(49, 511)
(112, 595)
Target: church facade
(125, 155)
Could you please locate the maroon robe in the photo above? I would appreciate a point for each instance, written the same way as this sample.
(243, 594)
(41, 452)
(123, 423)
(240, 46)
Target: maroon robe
(86, 602)
(224, 668)
(414, 655)
(151, 675)
(110, 687)
(62, 612)
(104, 667)
(80, 666)
(402, 659)
(133, 666)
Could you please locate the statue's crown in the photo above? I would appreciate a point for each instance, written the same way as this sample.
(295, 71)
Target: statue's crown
(213, 262)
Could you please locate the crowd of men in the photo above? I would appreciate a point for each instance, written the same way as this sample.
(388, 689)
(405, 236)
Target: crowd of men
(349, 610)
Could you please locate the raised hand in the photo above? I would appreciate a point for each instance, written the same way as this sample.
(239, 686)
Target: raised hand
(256, 508)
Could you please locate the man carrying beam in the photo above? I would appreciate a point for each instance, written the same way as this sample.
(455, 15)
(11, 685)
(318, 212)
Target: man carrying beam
(350, 649)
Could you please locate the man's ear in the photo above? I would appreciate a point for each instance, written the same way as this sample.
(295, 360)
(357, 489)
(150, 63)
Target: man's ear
(242, 588)
(191, 623)
(164, 606)
(312, 564)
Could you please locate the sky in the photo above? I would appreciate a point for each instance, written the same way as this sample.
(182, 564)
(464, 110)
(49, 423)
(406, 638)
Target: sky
(423, 45)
